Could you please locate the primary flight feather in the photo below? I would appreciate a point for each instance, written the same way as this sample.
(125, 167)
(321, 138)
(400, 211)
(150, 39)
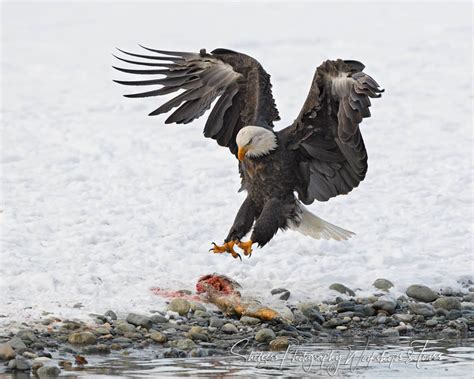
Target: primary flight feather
(321, 155)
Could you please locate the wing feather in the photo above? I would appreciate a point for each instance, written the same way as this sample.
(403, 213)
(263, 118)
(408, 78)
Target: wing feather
(326, 133)
(239, 82)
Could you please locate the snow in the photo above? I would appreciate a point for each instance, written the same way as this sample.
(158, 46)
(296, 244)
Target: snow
(101, 203)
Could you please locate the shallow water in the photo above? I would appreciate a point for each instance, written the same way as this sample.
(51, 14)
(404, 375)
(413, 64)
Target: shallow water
(407, 358)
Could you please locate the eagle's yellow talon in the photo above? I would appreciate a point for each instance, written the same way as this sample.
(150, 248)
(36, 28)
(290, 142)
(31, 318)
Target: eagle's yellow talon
(246, 247)
(227, 247)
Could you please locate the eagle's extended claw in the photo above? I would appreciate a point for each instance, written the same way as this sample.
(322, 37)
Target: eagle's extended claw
(246, 247)
(228, 247)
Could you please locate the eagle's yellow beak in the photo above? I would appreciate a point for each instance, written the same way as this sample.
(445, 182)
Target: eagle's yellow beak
(241, 153)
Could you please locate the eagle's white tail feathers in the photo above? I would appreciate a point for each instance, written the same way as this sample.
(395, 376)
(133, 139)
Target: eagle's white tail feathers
(315, 227)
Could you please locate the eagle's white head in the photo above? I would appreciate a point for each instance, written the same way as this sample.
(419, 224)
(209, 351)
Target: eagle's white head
(255, 141)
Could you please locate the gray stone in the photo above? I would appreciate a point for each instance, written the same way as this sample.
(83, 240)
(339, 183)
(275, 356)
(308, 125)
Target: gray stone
(285, 295)
(202, 314)
(195, 306)
(403, 317)
(431, 322)
(454, 314)
(181, 306)
(22, 364)
(159, 319)
(341, 288)
(27, 336)
(279, 343)
(421, 293)
(96, 349)
(111, 315)
(383, 284)
(48, 372)
(158, 337)
(17, 344)
(82, 338)
(469, 297)
(385, 305)
(216, 322)
(345, 306)
(229, 328)
(447, 303)
(183, 344)
(246, 320)
(310, 311)
(265, 335)
(139, 320)
(425, 310)
(391, 332)
(123, 327)
(6, 352)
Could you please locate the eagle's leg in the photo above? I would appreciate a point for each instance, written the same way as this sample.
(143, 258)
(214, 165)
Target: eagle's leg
(228, 247)
(243, 221)
(275, 215)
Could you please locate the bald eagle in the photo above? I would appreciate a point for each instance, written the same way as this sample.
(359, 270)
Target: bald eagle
(319, 156)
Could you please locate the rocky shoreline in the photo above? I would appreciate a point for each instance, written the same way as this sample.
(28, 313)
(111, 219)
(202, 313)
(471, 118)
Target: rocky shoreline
(187, 328)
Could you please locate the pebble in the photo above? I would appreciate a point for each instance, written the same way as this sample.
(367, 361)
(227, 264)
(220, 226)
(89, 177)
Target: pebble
(139, 320)
(447, 303)
(17, 344)
(19, 363)
(431, 322)
(345, 306)
(425, 310)
(96, 349)
(158, 337)
(247, 320)
(229, 328)
(27, 336)
(122, 327)
(421, 293)
(183, 344)
(454, 314)
(283, 292)
(341, 327)
(111, 315)
(385, 305)
(181, 306)
(216, 322)
(265, 335)
(82, 338)
(332, 323)
(195, 306)
(279, 343)
(48, 372)
(341, 288)
(383, 284)
(403, 317)
(6, 352)
(159, 319)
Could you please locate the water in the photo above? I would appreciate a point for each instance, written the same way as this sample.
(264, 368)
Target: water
(408, 358)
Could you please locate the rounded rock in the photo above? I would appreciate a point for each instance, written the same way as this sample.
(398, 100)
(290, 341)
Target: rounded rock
(6, 352)
(341, 288)
(421, 293)
(448, 303)
(139, 320)
(279, 343)
(247, 320)
(265, 335)
(48, 372)
(383, 284)
(82, 338)
(180, 306)
(229, 328)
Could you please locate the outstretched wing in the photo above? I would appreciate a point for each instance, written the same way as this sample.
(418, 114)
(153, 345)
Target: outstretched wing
(326, 136)
(239, 81)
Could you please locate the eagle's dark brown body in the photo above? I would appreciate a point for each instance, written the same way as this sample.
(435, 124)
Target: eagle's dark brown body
(321, 155)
